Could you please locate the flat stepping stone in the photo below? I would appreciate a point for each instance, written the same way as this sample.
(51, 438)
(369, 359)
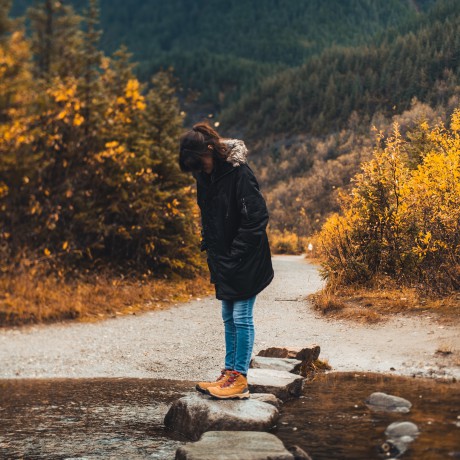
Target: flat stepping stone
(299, 454)
(267, 398)
(307, 354)
(388, 403)
(195, 414)
(235, 445)
(282, 384)
(277, 364)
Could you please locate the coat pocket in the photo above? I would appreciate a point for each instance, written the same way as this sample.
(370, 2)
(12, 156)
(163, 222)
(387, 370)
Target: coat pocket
(228, 266)
(253, 206)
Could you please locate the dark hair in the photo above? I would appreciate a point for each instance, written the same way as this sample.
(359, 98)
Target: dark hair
(199, 140)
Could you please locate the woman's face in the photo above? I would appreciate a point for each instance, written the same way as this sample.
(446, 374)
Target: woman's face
(207, 161)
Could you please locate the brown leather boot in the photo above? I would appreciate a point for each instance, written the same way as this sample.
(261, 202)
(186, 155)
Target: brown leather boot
(203, 386)
(235, 386)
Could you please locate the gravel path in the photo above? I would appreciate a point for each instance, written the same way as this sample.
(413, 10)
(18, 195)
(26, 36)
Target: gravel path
(186, 341)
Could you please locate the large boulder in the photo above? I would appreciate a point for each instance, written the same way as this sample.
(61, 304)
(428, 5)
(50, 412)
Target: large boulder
(283, 385)
(195, 414)
(388, 403)
(277, 364)
(235, 445)
(307, 354)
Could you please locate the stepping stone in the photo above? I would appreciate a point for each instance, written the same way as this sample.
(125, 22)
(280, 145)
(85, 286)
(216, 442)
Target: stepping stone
(299, 454)
(402, 430)
(400, 436)
(307, 354)
(388, 403)
(195, 414)
(283, 385)
(267, 398)
(235, 445)
(277, 364)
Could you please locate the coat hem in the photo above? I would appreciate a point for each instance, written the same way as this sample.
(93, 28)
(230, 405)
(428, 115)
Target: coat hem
(251, 294)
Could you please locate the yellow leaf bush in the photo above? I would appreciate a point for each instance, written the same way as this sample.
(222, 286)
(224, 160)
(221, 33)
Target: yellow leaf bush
(401, 221)
(89, 179)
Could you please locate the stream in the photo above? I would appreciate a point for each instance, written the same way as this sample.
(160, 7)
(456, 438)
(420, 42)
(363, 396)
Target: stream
(123, 417)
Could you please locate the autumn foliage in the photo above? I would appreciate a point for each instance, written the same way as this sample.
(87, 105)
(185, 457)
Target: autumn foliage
(88, 168)
(402, 218)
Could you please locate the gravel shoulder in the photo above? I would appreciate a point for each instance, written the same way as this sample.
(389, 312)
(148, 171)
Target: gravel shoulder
(186, 341)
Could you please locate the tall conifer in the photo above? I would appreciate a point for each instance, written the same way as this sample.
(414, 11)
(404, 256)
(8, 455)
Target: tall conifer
(56, 40)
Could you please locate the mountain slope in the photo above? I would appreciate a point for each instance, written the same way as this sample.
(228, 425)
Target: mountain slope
(223, 47)
(320, 96)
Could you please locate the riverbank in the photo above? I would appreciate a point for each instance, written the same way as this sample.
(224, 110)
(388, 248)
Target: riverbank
(375, 303)
(185, 342)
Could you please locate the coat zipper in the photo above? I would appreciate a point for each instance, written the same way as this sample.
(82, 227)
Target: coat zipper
(245, 210)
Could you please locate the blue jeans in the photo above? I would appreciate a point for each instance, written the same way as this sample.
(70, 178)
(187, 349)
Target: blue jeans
(239, 333)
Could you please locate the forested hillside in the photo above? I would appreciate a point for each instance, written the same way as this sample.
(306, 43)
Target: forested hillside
(221, 48)
(320, 96)
(312, 126)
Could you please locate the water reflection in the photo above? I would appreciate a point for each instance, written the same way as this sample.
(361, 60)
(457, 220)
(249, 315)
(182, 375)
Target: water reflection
(123, 418)
(331, 421)
(90, 418)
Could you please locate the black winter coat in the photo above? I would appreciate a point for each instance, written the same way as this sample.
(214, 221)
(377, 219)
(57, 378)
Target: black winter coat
(234, 218)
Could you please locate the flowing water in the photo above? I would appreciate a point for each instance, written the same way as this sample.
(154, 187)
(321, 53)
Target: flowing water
(123, 418)
(87, 418)
(331, 420)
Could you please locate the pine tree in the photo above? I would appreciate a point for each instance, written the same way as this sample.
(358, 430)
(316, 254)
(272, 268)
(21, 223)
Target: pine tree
(172, 188)
(6, 23)
(16, 94)
(56, 39)
(90, 85)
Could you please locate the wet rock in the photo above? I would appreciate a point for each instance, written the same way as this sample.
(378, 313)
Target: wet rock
(277, 364)
(389, 403)
(267, 398)
(235, 445)
(402, 430)
(400, 435)
(283, 385)
(307, 354)
(193, 415)
(298, 453)
(392, 449)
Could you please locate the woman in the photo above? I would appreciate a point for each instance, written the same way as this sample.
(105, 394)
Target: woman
(234, 218)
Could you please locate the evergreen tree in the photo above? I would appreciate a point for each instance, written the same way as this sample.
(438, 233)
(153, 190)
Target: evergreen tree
(88, 169)
(6, 23)
(91, 67)
(56, 39)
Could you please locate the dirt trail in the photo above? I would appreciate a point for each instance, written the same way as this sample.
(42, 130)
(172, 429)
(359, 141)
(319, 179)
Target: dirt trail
(186, 341)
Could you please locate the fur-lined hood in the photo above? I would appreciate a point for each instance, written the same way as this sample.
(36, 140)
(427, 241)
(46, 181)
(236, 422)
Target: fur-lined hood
(238, 151)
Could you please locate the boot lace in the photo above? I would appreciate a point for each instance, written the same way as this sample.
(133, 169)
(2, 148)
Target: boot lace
(223, 372)
(231, 379)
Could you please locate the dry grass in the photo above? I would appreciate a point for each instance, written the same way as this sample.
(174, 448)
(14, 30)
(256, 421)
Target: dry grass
(321, 365)
(28, 297)
(286, 242)
(445, 349)
(375, 303)
(315, 368)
